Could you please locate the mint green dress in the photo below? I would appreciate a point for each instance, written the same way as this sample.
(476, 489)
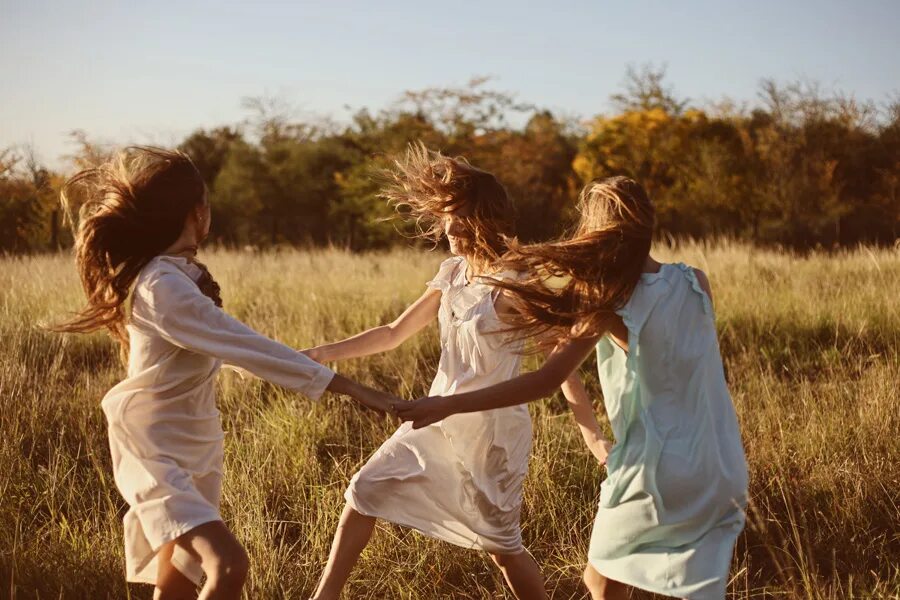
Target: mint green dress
(673, 503)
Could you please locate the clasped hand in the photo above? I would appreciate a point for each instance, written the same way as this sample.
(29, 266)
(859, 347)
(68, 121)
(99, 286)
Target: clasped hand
(424, 411)
(421, 412)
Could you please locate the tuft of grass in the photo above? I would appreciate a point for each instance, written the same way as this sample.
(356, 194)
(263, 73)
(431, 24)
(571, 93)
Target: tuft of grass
(812, 352)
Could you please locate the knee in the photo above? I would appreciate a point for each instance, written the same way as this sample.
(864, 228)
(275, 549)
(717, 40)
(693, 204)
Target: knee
(169, 593)
(352, 518)
(503, 560)
(594, 581)
(231, 568)
(351, 514)
(601, 587)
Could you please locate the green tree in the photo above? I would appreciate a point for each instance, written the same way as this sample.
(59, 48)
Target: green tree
(209, 150)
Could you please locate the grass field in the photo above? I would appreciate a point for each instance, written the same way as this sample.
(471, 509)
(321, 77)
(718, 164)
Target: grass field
(812, 352)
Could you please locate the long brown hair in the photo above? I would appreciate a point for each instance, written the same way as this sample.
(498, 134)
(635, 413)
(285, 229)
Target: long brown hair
(129, 210)
(575, 285)
(426, 185)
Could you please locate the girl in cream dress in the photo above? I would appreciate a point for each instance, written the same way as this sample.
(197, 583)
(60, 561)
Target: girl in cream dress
(139, 225)
(459, 480)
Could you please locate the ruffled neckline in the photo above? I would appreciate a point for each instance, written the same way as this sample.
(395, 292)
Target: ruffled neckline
(460, 296)
(466, 295)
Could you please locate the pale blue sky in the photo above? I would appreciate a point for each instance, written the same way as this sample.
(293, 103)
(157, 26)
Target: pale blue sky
(154, 71)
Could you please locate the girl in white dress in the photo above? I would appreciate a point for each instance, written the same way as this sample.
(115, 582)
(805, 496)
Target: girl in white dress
(141, 219)
(673, 503)
(458, 480)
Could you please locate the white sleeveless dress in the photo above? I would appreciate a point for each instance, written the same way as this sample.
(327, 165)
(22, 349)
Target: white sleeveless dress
(673, 503)
(458, 480)
(165, 434)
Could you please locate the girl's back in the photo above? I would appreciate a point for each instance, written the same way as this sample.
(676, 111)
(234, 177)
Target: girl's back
(677, 481)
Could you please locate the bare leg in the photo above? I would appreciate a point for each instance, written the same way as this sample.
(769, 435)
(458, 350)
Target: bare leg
(171, 584)
(350, 538)
(222, 557)
(522, 574)
(602, 588)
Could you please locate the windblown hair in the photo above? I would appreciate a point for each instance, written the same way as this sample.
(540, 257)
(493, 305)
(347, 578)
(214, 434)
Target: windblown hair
(426, 185)
(574, 286)
(129, 210)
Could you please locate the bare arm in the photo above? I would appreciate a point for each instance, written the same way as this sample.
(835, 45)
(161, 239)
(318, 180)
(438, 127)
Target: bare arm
(519, 390)
(368, 397)
(383, 338)
(583, 411)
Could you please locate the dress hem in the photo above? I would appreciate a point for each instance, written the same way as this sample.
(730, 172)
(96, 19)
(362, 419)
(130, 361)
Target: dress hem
(165, 539)
(641, 586)
(471, 546)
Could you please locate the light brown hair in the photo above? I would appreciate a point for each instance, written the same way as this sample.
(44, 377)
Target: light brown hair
(426, 185)
(575, 285)
(129, 210)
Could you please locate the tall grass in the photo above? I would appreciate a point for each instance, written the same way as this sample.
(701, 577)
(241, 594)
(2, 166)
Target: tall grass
(812, 351)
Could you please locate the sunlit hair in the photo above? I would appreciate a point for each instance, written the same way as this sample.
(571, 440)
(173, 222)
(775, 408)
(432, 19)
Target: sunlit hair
(574, 286)
(124, 213)
(426, 185)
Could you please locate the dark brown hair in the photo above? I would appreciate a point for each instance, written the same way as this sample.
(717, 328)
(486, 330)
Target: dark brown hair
(427, 185)
(129, 210)
(574, 286)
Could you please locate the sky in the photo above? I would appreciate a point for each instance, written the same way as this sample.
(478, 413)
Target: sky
(152, 72)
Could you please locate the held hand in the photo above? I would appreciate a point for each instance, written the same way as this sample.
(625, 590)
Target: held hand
(600, 449)
(424, 411)
(379, 401)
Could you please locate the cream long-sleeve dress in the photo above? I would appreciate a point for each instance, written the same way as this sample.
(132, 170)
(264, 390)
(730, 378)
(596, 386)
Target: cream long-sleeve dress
(460, 479)
(165, 433)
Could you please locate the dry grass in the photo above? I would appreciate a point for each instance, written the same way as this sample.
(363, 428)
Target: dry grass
(812, 349)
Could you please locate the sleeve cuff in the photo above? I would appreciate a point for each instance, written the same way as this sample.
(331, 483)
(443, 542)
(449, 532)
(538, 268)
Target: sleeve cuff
(317, 386)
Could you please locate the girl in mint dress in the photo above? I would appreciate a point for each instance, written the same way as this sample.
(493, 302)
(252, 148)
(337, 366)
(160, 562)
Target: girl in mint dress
(673, 502)
(672, 505)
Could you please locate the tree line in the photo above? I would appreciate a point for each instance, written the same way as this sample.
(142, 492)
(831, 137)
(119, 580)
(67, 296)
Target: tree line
(800, 168)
